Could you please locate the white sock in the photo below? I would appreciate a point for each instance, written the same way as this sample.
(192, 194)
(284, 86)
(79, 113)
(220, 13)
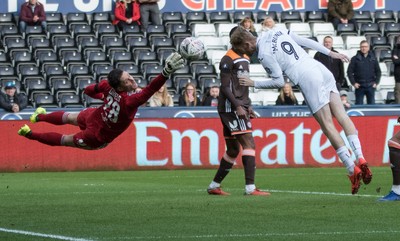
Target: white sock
(396, 189)
(344, 156)
(250, 188)
(355, 145)
(214, 185)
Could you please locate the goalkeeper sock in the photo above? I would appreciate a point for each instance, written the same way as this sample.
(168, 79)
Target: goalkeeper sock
(344, 156)
(50, 138)
(55, 118)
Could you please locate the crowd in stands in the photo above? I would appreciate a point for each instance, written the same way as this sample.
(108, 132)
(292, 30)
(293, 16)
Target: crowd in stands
(49, 58)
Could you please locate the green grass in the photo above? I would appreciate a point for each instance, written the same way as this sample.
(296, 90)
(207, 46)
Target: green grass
(306, 204)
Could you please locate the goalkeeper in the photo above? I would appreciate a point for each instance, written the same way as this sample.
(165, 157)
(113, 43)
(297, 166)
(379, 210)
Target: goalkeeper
(100, 126)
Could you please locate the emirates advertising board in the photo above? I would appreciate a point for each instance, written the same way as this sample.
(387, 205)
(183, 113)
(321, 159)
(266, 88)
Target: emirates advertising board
(190, 143)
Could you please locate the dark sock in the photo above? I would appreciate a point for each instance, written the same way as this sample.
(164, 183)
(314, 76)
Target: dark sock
(55, 118)
(223, 170)
(50, 138)
(249, 164)
(394, 155)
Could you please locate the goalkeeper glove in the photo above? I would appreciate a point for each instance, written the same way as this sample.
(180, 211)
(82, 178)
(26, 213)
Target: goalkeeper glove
(172, 63)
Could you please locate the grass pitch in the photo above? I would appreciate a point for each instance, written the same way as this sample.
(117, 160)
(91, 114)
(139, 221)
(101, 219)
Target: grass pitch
(306, 204)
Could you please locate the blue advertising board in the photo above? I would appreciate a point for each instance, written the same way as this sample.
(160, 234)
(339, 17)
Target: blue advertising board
(89, 6)
(211, 112)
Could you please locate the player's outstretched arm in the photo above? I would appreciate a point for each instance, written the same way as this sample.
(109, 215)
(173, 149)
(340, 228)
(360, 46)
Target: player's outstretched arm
(172, 64)
(340, 56)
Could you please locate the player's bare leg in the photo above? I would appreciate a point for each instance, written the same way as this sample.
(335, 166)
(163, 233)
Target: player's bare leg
(324, 118)
(350, 130)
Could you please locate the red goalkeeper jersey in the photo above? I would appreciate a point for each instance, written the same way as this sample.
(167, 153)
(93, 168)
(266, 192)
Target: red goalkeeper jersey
(119, 108)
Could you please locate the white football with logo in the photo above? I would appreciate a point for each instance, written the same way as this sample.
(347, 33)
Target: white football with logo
(192, 48)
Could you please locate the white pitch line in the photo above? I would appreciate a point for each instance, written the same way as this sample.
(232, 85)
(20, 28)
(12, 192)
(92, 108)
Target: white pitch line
(43, 235)
(227, 236)
(323, 193)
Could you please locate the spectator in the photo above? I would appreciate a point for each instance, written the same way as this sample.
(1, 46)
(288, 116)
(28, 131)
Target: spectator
(161, 98)
(149, 12)
(341, 11)
(334, 65)
(343, 98)
(248, 24)
(127, 12)
(11, 101)
(396, 62)
(267, 24)
(211, 97)
(189, 98)
(32, 14)
(286, 96)
(364, 74)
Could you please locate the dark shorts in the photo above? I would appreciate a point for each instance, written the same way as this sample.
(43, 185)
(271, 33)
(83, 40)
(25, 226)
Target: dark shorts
(233, 125)
(86, 139)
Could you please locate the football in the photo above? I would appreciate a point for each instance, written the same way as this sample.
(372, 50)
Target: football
(192, 48)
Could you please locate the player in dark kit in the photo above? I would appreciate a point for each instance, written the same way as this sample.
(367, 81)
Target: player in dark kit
(100, 126)
(394, 156)
(234, 108)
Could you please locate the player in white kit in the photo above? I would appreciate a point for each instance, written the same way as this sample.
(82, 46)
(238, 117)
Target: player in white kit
(279, 51)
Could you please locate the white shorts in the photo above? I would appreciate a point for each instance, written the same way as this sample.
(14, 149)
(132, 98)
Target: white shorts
(316, 83)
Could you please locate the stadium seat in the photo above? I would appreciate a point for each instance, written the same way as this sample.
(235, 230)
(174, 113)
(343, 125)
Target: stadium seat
(132, 30)
(12, 43)
(177, 29)
(146, 57)
(10, 31)
(76, 18)
(71, 56)
(101, 18)
(353, 42)
(363, 16)
(323, 29)
(370, 29)
(301, 29)
(172, 18)
(384, 16)
(212, 43)
(106, 29)
(261, 15)
(7, 71)
(111, 43)
(7, 19)
(151, 70)
(163, 54)
(54, 18)
(35, 84)
(203, 30)
(204, 71)
(120, 56)
(223, 29)
(64, 43)
(57, 30)
(238, 16)
(129, 67)
(45, 100)
(207, 82)
(80, 29)
(96, 57)
(156, 30)
(34, 32)
(21, 57)
(75, 70)
(391, 29)
(101, 70)
(4, 59)
(291, 16)
(70, 100)
(390, 99)
(58, 83)
(378, 42)
(387, 82)
(346, 29)
(385, 55)
(41, 42)
(53, 70)
(135, 42)
(257, 70)
(91, 102)
(220, 17)
(314, 17)
(45, 56)
(162, 43)
(384, 69)
(196, 17)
